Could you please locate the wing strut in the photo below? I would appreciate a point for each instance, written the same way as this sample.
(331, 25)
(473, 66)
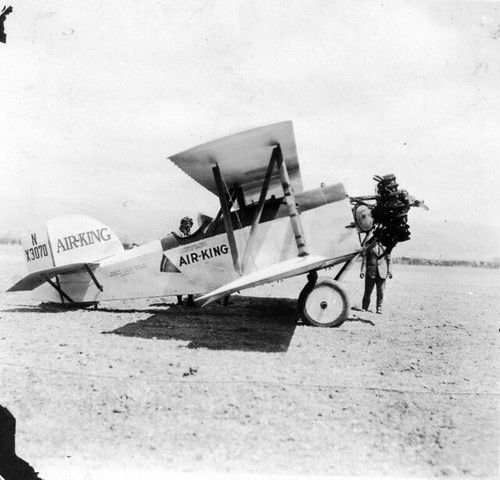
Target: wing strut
(293, 211)
(57, 285)
(367, 242)
(226, 215)
(260, 209)
(59, 289)
(346, 267)
(92, 276)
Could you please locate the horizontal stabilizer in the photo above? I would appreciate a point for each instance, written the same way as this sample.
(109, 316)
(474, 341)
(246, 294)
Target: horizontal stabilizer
(286, 269)
(35, 279)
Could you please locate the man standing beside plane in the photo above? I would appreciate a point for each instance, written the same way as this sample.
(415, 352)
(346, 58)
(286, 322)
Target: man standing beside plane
(376, 266)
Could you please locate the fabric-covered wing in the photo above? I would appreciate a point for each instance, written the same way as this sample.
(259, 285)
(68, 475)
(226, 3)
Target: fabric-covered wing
(243, 159)
(286, 269)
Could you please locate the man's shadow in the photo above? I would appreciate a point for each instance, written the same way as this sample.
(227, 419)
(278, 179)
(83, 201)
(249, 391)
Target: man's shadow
(355, 318)
(246, 324)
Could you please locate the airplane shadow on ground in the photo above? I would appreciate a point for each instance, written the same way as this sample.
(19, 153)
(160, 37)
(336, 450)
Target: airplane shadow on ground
(246, 324)
(58, 308)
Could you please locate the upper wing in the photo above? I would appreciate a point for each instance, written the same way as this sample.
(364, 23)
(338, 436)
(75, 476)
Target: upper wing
(288, 268)
(243, 159)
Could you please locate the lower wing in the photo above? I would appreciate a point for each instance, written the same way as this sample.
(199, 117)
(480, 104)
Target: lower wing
(278, 271)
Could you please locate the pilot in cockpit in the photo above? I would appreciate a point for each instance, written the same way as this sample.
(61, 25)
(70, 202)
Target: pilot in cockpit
(185, 227)
(184, 231)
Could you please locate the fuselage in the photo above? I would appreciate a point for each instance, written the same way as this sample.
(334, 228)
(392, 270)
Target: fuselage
(204, 261)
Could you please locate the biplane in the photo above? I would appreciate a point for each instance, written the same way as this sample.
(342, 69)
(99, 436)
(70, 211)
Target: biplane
(267, 228)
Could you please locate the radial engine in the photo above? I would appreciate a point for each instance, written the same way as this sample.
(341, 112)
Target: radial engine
(386, 213)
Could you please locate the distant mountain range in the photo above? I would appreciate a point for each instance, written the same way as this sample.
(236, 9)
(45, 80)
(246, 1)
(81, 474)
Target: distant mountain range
(429, 238)
(451, 241)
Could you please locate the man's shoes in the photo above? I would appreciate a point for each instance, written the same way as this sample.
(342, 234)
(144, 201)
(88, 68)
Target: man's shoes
(379, 311)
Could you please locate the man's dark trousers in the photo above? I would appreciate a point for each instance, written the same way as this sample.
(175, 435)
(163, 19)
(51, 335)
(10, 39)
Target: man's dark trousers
(369, 284)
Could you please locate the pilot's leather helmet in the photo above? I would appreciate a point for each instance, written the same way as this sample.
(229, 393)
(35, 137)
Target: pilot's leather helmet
(188, 221)
(185, 226)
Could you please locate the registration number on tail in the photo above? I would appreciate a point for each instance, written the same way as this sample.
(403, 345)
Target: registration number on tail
(36, 252)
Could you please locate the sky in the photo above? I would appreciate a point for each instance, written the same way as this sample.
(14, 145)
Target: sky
(96, 96)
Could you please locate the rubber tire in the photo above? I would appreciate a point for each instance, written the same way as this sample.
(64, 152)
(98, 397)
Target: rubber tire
(301, 301)
(308, 304)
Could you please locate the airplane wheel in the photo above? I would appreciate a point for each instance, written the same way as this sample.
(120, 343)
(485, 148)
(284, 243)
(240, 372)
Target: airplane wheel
(302, 297)
(326, 304)
(312, 277)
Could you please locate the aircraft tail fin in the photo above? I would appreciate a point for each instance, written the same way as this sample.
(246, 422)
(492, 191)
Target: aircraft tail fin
(67, 243)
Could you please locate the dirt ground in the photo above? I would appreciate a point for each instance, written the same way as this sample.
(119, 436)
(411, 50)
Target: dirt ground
(144, 386)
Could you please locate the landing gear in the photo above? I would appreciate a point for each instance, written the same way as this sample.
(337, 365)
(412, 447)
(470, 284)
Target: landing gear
(312, 278)
(324, 303)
